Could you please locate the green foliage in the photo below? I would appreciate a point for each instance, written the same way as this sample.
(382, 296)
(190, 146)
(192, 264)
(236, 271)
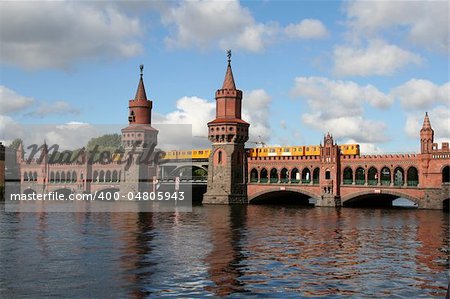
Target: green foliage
(199, 172)
(15, 144)
(110, 143)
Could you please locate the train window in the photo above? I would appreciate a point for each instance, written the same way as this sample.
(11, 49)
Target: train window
(272, 150)
(200, 152)
(307, 148)
(286, 149)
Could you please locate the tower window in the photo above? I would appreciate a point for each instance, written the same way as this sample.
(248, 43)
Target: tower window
(219, 157)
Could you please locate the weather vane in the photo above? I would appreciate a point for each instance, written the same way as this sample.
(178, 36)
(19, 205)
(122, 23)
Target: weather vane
(142, 69)
(229, 55)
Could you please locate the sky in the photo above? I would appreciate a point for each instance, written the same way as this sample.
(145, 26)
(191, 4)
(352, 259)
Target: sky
(364, 71)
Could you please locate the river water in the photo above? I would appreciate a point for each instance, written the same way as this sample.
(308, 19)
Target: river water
(256, 250)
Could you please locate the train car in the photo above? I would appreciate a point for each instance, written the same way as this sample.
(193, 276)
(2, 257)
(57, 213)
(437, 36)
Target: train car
(312, 150)
(349, 149)
(273, 151)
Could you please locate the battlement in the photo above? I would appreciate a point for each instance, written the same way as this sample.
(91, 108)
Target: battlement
(380, 157)
(229, 92)
(444, 148)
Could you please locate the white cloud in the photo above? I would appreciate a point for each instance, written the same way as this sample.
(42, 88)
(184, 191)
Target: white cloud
(440, 122)
(426, 23)
(307, 29)
(227, 24)
(255, 110)
(420, 94)
(366, 148)
(40, 34)
(56, 108)
(337, 107)
(11, 102)
(378, 58)
(198, 112)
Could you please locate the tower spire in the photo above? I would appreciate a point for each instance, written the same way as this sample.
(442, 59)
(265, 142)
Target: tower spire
(426, 123)
(228, 82)
(140, 92)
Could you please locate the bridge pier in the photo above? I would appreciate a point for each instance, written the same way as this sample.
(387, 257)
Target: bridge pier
(328, 200)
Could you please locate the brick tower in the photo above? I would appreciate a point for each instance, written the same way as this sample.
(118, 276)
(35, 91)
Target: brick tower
(330, 173)
(426, 136)
(139, 140)
(228, 133)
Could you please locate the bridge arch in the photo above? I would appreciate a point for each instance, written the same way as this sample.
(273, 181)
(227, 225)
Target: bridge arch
(316, 175)
(399, 176)
(288, 195)
(372, 176)
(348, 176)
(369, 198)
(412, 176)
(360, 176)
(254, 177)
(295, 175)
(188, 171)
(263, 176)
(274, 175)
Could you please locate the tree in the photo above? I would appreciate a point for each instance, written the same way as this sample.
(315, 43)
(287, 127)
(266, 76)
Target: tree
(15, 144)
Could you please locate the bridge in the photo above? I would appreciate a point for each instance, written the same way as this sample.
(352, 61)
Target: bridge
(329, 175)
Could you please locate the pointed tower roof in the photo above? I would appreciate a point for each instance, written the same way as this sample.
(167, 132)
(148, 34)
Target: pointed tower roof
(140, 92)
(426, 123)
(228, 82)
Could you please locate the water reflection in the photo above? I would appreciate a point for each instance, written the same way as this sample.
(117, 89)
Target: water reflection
(226, 251)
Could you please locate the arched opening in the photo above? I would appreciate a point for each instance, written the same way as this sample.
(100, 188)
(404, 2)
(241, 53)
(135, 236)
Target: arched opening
(348, 176)
(25, 176)
(219, 157)
(108, 176)
(114, 176)
(58, 177)
(399, 176)
(35, 176)
(68, 177)
(385, 176)
(412, 177)
(316, 175)
(253, 176)
(283, 198)
(263, 178)
(63, 177)
(372, 178)
(371, 200)
(306, 176)
(274, 175)
(95, 178)
(327, 174)
(446, 174)
(360, 176)
(446, 205)
(52, 177)
(74, 176)
(284, 176)
(102, 176)
(199, 174)
(295, 176)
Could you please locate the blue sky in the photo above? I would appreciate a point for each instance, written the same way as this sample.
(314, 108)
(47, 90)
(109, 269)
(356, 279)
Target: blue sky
(364, 71)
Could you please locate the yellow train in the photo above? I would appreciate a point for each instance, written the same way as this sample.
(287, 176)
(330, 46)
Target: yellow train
(186, 154)
(304, 150)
